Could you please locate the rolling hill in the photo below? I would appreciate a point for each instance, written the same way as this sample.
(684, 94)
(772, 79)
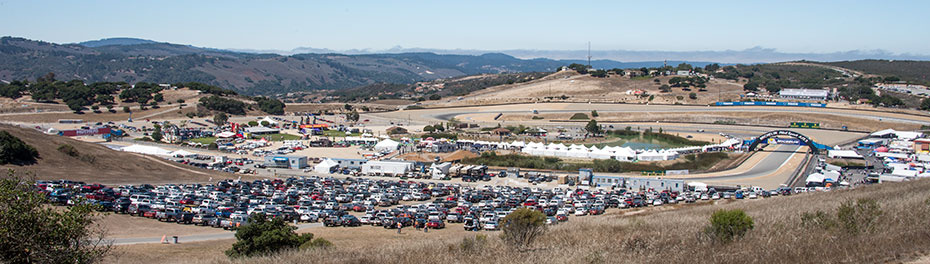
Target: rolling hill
(134, 60)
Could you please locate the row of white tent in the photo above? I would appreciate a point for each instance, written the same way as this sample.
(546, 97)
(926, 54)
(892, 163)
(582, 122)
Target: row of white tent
(581, 151)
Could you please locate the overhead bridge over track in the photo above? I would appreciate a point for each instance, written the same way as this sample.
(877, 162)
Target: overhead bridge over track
(763, 139)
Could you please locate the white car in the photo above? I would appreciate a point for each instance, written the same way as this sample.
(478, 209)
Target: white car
(492, 225)
(753, 195)
(657, 202)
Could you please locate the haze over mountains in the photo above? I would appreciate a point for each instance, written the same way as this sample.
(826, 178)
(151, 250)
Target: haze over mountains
(134, 60)
(746, 56)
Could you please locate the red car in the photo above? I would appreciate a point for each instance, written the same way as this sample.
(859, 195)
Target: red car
(149, 214)
(436, 224)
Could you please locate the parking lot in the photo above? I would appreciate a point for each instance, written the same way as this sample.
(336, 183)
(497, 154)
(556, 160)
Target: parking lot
(354, 202)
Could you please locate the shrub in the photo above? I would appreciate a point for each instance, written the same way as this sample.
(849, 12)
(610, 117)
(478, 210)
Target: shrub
(858, 217)
(727, 225)
(475, 244)
(594, 113)
(316, 243)
(264, 236)
(579, 116)
(435, 97)
(522, 226)
(253, 123)
(692, 96)
(537, 117)
(14, 150)
(126, 109)
(69, 150)
(213, 146)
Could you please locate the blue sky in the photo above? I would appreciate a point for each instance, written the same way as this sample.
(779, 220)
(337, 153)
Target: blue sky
(788, 26)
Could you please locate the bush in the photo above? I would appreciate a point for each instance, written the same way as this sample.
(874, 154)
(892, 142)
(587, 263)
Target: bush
(537, 118)
(69, 150)
(858, 217)
(692, 96)
(470, 245)
(851, 217)
(14, 151)
(126, 109)
(727, 225)
(435, 97)
(264, 236)
(579, 116)
(213, 146)
(316, 243)
(522, 226)
(594, 113)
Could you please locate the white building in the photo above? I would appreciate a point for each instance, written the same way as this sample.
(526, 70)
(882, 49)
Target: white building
(387, 167)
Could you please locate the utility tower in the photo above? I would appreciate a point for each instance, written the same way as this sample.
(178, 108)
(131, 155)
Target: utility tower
(589, 54)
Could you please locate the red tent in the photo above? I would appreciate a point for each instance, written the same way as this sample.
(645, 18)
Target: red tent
(881, 149)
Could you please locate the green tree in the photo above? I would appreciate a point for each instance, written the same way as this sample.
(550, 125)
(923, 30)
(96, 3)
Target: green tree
(32, 232)
(220, 119)
(692, 96)
(435, 97)
(751, 86)
(159, 97)
(347, 107)
(522, 227)
(352, 116)
(75, 105)
(925, 104)
(14, 151)
(253, 123)
(265, 123)
(593, 113)
(156, 135)
(429, 128)
(664, 88)
(727, 225)
(592, 128)
(264, 236)
(126, 109)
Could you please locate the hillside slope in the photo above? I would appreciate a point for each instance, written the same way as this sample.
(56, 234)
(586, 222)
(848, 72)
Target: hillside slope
(108, 166)
(912, 71)
(669, 235)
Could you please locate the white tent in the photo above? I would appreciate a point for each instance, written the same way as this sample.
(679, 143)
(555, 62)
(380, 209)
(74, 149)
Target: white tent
(226, 134)
(150, 150)
(326, 166)
(815, 177)
(182, 153)
(581, 152)
(270, 121)
(387, 145)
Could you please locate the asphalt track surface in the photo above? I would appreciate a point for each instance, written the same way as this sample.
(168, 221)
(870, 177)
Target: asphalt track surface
(192, 238)
(769, 164)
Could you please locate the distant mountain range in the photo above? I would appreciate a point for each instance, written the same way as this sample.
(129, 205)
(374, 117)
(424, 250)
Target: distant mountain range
(746, 56)
(266, 73)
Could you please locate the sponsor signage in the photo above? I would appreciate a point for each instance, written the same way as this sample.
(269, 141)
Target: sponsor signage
(85, 132)
(804, 125)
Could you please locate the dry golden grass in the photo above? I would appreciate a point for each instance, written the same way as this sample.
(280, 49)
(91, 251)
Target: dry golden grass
(674, 236)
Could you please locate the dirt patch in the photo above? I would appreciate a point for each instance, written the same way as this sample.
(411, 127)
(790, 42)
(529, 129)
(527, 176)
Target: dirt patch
(430, 157)
(108, 166)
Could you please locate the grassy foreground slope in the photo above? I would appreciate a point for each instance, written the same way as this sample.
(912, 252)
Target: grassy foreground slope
(675, 236)
(95, 163)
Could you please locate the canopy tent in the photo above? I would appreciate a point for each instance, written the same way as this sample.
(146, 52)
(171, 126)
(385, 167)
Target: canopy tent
(881, 149)
(182, 153)
(150, 150)
(815, 177)
(226, 134)
(326, 166)
(387, 145)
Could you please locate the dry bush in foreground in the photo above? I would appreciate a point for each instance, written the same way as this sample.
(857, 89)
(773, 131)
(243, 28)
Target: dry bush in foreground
(898, 233)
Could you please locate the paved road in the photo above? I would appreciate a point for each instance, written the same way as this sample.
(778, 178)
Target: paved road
(766, 166)
(193, 238)
(444, 114)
